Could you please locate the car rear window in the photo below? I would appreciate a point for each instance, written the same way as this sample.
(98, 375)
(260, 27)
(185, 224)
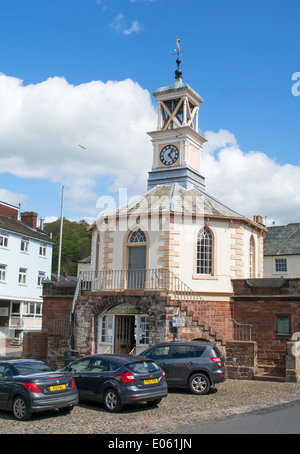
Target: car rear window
(142, 367)
(32, 368)
(199, 351)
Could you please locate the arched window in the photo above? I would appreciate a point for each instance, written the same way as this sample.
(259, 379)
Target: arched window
(97, 253)
(252, 257)
(138, 236)
(204, 251)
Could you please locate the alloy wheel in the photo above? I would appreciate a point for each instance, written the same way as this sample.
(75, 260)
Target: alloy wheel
(20, 410)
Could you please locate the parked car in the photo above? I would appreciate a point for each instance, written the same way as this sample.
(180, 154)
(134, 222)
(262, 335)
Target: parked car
(197, 366)
(117, 380)
(28, 386)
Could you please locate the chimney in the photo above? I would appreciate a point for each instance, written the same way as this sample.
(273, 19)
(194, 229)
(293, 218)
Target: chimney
(8, 210)
(29, 218)
(258, 219)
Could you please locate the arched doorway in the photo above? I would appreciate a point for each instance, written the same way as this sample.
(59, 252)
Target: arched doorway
(122, 329)
(137, 260)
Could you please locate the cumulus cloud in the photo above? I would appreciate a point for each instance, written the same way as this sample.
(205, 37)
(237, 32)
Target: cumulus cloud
(75, 135)
(11, 197)
(93, 133)
(250, 182)
(121, 25)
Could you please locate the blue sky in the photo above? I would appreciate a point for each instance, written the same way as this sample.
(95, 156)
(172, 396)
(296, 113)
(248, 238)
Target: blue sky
(83, 72)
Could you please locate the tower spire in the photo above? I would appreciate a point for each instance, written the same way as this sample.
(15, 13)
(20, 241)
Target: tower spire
(178, 52)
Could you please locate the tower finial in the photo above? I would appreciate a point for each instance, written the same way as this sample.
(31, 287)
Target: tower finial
(178, 52)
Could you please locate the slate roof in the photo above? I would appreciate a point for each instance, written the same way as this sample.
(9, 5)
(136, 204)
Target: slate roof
(13, 225)
(282, 240)
(174, 198)
(176, 87)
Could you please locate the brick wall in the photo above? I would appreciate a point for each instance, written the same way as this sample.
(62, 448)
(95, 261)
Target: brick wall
(9, 211)
(57, 302)
(241, 360)
(259, 302)
(35, 345)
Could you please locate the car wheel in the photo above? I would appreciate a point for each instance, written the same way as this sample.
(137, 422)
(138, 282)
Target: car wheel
(153, 403)
(199, 384)
(20, 409)
(112, 401)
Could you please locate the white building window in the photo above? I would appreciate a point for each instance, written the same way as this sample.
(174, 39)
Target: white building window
(3, 240)
(24, 245)
(143, 329)
(107, 329)
(42, 250)
(205, 251)
(3, 273)
(22, 276)
(281, 265)
(41, 277)
(32, 309)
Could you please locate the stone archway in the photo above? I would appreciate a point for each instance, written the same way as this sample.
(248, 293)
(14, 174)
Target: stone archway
(95, 304)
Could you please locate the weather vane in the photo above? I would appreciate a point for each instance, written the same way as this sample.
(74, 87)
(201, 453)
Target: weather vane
(178, 52)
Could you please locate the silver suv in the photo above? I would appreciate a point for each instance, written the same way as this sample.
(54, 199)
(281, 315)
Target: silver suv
(195, 365)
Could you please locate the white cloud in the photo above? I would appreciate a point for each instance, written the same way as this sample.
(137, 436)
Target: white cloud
(11, 197)
(250, 182)
(44, 124)
(121, 25)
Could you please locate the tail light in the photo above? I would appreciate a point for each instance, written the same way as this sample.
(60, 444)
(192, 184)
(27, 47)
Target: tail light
(164, 374)
(216, 360)
(73, 383)
(126, 377)
(32, 387)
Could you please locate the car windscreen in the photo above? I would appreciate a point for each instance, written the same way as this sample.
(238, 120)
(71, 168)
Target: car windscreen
(142, 367)
(32, 368)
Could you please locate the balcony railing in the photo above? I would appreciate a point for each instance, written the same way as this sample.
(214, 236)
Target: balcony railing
(164, 280)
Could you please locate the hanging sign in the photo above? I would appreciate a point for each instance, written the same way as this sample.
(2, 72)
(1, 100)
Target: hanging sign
(125, 309)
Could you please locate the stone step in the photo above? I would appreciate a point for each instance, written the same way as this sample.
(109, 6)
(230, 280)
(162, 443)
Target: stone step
(270, 373)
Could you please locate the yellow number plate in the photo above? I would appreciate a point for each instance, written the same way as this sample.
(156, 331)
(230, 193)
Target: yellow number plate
(148, 382)
(57, 388)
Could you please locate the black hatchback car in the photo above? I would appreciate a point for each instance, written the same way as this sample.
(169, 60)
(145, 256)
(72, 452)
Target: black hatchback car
(117, 380)
(28, 386)
(195, 365)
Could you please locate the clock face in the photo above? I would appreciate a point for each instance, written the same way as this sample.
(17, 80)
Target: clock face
(169, 155)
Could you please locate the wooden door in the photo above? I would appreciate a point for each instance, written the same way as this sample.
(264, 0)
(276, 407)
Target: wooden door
(124, 333)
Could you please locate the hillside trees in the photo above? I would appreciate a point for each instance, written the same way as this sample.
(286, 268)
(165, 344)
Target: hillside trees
(76, 244)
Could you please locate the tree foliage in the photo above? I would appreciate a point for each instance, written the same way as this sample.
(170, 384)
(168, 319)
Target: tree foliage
(76, 244)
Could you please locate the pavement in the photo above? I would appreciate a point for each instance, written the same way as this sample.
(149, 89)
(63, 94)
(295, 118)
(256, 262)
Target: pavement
(176, 414)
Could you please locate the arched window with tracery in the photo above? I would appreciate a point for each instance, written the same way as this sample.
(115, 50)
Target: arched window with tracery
(138, 236)
(205, 251)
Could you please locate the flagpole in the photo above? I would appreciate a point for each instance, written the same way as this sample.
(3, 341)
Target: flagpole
(61, 231)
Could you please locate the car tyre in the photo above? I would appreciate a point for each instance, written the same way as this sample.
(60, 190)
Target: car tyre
(20, 409)
(199, 384)
(112, 401)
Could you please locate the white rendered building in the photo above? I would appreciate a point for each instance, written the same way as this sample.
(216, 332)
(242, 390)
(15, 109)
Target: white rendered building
(25, 261)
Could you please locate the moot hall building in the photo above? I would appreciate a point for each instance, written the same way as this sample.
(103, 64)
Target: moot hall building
(174, 264)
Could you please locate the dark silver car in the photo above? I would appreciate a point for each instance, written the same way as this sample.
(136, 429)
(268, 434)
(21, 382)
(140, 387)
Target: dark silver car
(28, 386)
(117, 380)
(195, 365)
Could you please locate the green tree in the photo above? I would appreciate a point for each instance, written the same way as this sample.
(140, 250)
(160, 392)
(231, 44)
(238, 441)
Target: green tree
(76, 244)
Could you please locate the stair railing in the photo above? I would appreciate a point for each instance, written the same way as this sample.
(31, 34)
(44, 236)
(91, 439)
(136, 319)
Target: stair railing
(163, 279)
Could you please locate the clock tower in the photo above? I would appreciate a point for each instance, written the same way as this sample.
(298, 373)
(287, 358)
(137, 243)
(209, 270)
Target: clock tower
(177, 143)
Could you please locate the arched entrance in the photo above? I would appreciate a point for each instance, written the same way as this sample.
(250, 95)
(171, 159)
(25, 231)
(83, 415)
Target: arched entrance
(122, 328)
(136, 260)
